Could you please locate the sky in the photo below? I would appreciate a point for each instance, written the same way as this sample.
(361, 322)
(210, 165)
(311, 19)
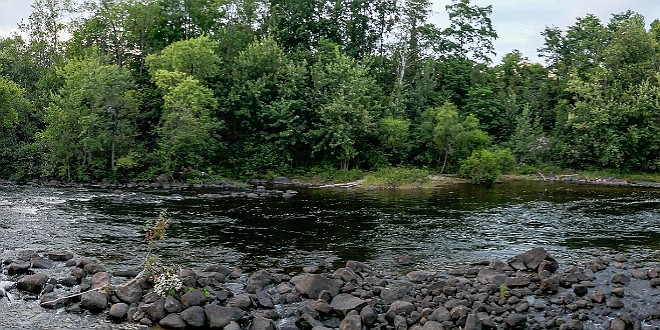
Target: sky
(519, 23)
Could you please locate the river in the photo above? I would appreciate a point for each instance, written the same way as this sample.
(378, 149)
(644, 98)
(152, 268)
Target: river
(436, 229)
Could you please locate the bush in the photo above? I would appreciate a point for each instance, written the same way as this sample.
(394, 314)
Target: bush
(397, 176)
(485, 165)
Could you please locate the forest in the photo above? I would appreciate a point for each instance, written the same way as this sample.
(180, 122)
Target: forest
(131, 89)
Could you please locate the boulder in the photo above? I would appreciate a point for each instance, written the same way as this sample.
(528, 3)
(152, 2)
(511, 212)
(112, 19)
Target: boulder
(241, 301)
(351, 322)
(440, 314)
(194, 316)
(399, 307)
(100, 280)
(515, 320)
(344, 303)
(262, 323)
(172, 305)
(419, 276)
(397, 291)
(155, 311)
(60, 256)
(218, 317)
(173, 321)
(94, 268)
(530, 260)
(550, 284)
(346, 274)
(130, 292)
(368, 315)
(265, 300)
(311, 285)
(258, 280)
(32, 283)
(18, 267)
(49, 300)
(193, 298)
(118, 311)
(472, 323)
(433, 325)
(94, 301)
(39, 262)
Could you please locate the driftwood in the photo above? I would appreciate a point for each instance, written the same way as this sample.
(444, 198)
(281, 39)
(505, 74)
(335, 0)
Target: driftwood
(343, 185)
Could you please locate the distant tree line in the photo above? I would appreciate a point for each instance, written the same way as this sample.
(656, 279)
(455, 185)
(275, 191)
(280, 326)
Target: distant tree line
(250, 87)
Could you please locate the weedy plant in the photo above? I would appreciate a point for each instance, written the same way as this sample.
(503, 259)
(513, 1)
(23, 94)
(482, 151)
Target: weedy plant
(503, 290)
(166, 279)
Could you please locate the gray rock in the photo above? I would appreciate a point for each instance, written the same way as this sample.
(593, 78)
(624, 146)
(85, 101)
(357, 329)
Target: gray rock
(60, 256)
(241, 301)
(346, 274)
(18, 267)
(232, 326)
(400, 307)
(127, 273)
(217, 268)
(94, 268)
(580, 290)
(368, 315)
(130, 292)
(155, 311)
(397, 291)
(194, 316)
(572, 325)
(193, 298)
(419, 276)
(218, 317)
(262, 323)
(344, 303)
(258, 280)
(100, 280)
(68, 281)
(620, 279)
(265, 300)
(49, 300)
(32, 283)
(550, 284)
(94, 301)
(440, 314)
(598, 297)
(322, 306)
(118, 312)
(516, 320)
(351, 322)
(358, 267)
(433, 325)
(530, 260)
(311, 285)
(39, 262)
(458, 312)
(615, 303)
(472, 323)
(173, 321)
(516, 282)
(617, 325)
(281, 180)
(172, 305)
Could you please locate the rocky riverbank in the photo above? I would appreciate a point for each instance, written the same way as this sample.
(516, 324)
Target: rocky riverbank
(528, 291)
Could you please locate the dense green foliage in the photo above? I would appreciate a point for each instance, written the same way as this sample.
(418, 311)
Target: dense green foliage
(265, 87)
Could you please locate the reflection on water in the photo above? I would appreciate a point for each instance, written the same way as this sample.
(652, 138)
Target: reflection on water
(438, 229)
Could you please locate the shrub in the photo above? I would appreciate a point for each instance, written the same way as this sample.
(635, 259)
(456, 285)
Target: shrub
(485, 165)
(397, 176)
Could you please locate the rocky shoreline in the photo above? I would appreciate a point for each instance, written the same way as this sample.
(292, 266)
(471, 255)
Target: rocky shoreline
(528, 291)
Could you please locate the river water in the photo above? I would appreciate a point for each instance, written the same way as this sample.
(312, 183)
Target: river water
(436, 229)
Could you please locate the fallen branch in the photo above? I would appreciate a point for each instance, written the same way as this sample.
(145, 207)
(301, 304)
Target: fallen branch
(73, 295)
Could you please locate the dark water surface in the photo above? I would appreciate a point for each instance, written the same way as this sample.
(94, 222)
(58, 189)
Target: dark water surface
(438, 229)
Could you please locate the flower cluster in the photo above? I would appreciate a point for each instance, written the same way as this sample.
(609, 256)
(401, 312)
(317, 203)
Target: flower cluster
(167, 282)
